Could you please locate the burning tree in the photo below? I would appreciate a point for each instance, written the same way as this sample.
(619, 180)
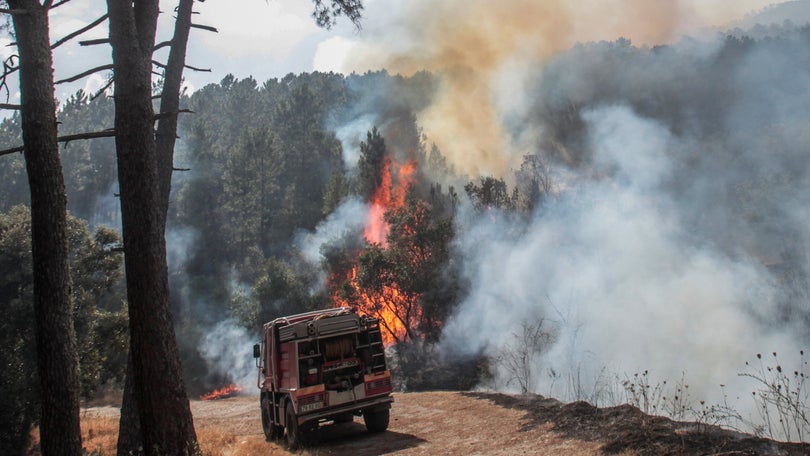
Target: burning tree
(405, 250)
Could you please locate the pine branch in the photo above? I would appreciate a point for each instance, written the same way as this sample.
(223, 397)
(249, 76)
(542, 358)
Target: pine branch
(102, 89)
(161, 45)
(201, 70)
(66, 139)
(80, 31)
(15, 11)
(94, 42)
(108, 66)
(163, 115)
(59, 4)
(205, 27)
(11, 107)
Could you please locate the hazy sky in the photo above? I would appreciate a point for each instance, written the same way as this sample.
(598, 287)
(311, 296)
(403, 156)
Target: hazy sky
(271, 38)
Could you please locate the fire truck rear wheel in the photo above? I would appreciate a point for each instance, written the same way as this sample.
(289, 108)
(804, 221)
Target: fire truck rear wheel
(292, 431)
(272, 431)
(376, 420)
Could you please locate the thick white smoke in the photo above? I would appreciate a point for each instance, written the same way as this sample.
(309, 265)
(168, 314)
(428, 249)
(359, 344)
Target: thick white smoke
(226, 351)
(620, 278)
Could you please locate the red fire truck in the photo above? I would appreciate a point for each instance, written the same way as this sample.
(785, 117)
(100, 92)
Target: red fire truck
(315, 367)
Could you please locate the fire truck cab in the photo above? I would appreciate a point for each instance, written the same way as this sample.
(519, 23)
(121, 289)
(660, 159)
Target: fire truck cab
(327, 365)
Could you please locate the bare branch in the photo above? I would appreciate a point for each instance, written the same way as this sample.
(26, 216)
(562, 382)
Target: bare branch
(161, 45)
(202, 70)
(12, 107)
(15, 11)
(66, 139)
(102, 89)
(94, 42)
(80, 31)
(205, 27)
(158, 64)
(108, 66)
(59, 3)
(181, 169)
(163, 115)
(8, 69)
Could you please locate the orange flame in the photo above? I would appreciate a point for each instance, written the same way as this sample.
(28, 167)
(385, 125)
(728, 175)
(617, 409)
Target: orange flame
(396, 310)
(386, 197)
(222, 393)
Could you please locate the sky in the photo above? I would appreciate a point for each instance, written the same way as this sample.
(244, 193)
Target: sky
(271, 38)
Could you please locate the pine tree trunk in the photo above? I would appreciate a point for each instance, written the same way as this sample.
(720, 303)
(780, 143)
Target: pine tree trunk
(165, 416)
(56, 343)
(170, 100)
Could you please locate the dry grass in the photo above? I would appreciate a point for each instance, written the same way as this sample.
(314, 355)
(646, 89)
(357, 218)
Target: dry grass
(99, 433)
(100, 437)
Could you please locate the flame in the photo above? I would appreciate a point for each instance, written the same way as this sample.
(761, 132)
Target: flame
(388, 196)
(397, 311)
(222, 393)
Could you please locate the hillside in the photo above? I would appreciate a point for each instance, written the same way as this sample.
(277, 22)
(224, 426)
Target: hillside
(796, 11)
(461, 423)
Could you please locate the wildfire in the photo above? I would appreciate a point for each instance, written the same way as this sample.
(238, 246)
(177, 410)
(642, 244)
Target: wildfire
(396, 310)
(222, 393)
(388, 196)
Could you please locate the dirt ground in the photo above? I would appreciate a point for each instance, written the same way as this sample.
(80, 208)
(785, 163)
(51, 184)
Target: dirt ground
(451, 423)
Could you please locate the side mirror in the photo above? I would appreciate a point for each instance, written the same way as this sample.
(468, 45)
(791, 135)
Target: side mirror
(257, 351)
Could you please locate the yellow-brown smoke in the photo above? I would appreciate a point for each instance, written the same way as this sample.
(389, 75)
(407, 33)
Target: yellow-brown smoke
(470, 43)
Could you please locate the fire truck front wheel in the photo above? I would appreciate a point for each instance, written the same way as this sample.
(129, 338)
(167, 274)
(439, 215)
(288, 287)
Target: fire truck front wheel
(376, 420)
(292, 431)
(272, 431)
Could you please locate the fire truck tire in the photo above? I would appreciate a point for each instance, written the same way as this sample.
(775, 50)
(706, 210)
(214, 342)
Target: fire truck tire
(376, 420)
(272, 431)
(292, 432)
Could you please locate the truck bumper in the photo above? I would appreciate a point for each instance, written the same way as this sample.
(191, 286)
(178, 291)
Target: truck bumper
(371, 403)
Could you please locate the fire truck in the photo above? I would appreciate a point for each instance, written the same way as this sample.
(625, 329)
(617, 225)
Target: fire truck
(321, 366)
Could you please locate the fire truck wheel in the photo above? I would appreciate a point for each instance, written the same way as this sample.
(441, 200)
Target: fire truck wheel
(293, 433)
(272, 431)
(376, 420)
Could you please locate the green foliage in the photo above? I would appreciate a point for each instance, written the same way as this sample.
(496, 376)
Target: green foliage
(99, 316)
(283, 289)
(491, 193)
(325, 14)
(370, 164)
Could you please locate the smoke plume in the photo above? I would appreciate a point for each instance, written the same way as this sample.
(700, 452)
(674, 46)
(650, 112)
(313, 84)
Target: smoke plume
(484, 51)
(673, 241)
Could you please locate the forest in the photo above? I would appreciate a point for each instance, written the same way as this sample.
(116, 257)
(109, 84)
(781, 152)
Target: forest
(319, 189)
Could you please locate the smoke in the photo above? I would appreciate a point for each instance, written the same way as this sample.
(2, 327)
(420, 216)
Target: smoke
(476, 46)
(347, 221)
(618, 275)
(225, 349)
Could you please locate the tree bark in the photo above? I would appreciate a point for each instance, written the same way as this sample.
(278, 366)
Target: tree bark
(56, 343)
(129, 436)
(165, 416)
(170, 100)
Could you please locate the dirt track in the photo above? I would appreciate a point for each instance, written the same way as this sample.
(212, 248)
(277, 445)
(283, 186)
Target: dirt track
(421, 424)
(453, 423)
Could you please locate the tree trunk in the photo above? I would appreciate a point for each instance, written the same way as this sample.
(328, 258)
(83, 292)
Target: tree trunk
(129, 436)
(129, 424)
(165, 416)
(56, 343)
(170, 100)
